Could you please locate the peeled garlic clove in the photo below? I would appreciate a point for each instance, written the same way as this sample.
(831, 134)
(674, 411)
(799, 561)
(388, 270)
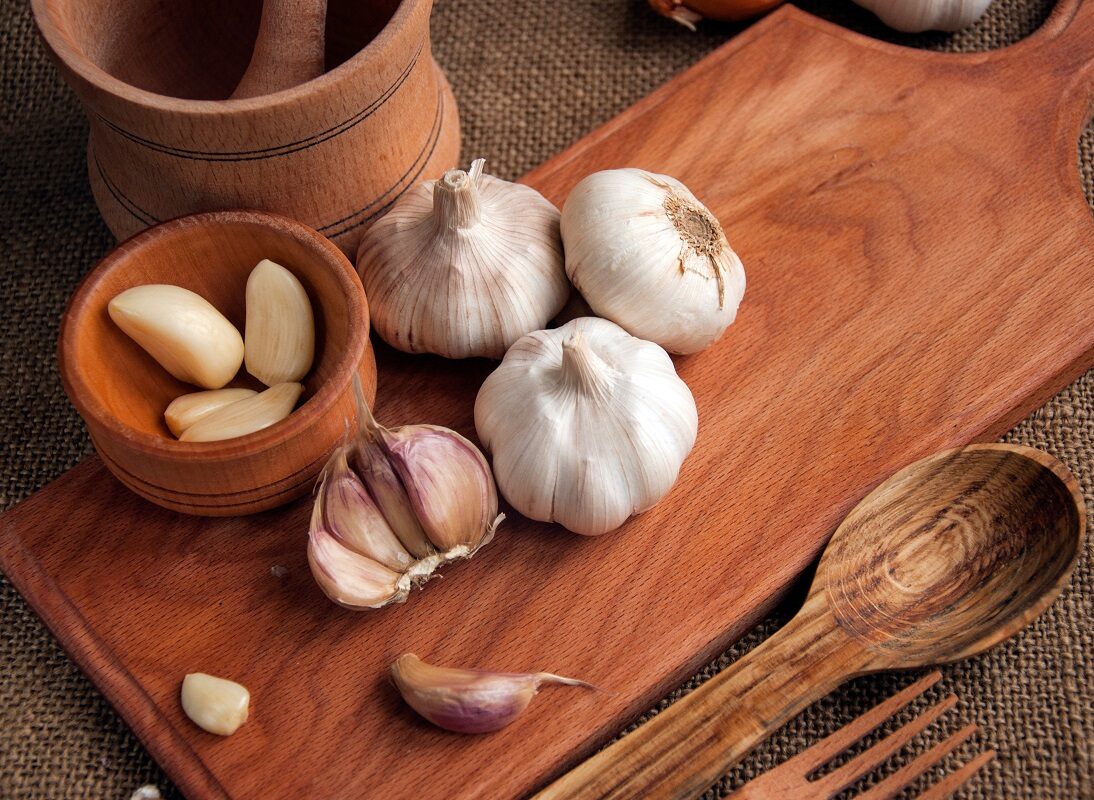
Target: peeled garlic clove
(187, 409)
(587, 425)
(646, 254)
(280, 330)
(467, 700)
(214, 704)
(463, 266)
(182, 331)
(245, 416)
(346, 510)
(349, 578)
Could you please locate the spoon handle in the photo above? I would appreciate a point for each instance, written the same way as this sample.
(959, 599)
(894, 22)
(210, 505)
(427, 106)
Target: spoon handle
(685, 748)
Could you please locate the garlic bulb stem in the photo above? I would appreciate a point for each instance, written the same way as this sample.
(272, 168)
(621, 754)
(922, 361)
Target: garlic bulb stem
(585, 372)
(456, 201)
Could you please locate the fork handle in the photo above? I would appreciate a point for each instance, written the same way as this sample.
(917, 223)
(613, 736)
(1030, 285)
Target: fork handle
(685, 748)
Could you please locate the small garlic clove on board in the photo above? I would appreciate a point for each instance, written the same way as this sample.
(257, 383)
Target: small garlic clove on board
(245, 416)
(463, 266)
(215, 704)
(587, 425)
(394, 506)
(646, 254)
(467, 700)
(187, 409)
(182, 331)
(280, 329)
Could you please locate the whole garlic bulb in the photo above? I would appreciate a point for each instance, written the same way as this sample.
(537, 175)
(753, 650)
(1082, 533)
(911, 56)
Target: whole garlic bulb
(463, 266)
(914, 16)
(647, 255)
(587, 425)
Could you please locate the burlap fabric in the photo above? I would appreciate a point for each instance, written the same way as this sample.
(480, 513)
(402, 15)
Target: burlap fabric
(531, 77)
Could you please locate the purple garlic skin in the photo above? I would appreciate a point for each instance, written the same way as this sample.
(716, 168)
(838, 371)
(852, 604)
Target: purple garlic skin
(468, 700)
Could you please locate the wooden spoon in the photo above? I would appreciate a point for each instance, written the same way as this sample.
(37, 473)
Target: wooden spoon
(289, 48)
(947, 558)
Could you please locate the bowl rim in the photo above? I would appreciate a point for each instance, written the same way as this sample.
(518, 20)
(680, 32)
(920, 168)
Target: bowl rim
(75, 59)
(85, 399)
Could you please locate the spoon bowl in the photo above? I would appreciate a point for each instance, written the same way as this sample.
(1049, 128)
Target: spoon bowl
(953, 554)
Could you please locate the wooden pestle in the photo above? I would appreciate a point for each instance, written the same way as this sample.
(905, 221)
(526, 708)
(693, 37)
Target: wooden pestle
(289, 47)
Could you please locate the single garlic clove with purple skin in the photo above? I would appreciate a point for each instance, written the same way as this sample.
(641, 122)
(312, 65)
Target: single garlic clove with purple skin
(468, 700)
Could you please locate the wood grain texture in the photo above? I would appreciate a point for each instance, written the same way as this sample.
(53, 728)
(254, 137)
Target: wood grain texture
(920, 275)
(334, 152)
(121, 392)
(950, 556)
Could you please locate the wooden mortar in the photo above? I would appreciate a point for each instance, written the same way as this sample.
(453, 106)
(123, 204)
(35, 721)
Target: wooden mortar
(154, 78)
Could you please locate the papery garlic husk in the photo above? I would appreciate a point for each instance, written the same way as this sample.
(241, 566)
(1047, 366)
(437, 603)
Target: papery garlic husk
(587, 425)
(915, 16)
(185, 410)
(468, 700)
(646, 254)
(279, 335)
(245, 416)
(181, 330)
(395, 505)
(463, 266)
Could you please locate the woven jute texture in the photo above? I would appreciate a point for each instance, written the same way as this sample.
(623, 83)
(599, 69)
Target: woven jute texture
(531, 77)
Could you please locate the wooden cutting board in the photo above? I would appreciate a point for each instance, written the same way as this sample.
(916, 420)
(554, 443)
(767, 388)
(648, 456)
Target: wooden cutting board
(921, 274)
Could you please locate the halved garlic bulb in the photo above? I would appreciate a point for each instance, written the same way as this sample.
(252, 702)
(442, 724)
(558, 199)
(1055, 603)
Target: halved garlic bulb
(463, 266)
(646, 254)
(587, 425)
(393, 506)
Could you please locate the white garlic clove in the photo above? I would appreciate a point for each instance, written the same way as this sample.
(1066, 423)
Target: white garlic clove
(343, 507)
(245, 416)
(187, 409)
(370, 461)
(182, 331)
(280, 329)
(349, 578)
(646, 254)
(214, 704)
(587, 425)
(463, 266)
(468, 700)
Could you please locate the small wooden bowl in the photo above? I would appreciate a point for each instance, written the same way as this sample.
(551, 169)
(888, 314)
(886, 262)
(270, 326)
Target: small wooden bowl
(121, 392)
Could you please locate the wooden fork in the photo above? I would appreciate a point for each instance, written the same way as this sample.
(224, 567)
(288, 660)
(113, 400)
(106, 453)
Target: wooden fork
(791, 778)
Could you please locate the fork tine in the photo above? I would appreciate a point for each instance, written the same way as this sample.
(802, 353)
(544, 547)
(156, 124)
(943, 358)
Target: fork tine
(867, 760)
(952, 782)
(917, 766)
(831, 746)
